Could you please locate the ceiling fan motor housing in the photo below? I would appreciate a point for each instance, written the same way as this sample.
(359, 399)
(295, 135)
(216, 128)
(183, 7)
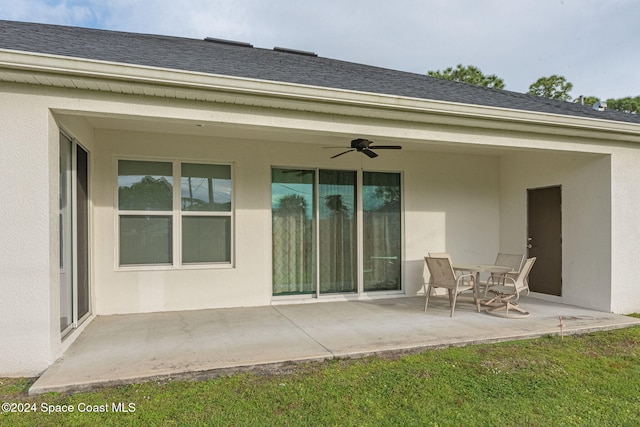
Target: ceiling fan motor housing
(360, 144)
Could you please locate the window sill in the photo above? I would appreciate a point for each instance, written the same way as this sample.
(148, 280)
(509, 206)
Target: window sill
(220, 266)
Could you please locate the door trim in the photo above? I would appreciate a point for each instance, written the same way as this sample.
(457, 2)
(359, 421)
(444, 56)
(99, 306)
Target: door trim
(550, 256)
(73, 169)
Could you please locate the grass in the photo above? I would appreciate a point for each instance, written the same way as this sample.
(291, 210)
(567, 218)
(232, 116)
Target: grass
(581, 380)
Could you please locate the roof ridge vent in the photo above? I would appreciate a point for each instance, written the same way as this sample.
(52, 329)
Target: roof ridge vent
(294, 51)
(229, 42)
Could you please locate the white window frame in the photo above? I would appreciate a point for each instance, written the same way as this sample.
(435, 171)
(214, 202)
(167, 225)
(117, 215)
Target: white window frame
(176, 215)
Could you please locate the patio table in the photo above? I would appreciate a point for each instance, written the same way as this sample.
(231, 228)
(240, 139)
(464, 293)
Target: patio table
(481, 268)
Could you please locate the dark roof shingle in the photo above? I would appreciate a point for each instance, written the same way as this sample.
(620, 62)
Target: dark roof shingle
(265, 64)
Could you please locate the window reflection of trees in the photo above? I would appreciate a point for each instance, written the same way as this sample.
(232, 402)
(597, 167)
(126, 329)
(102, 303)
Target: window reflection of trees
(293, 232)
(291, 204)
(382, 231)
(149, 193)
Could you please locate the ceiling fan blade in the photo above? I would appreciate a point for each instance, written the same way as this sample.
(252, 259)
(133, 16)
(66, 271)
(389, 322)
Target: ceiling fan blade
(369, 153)
(344, 152)
(386, 147)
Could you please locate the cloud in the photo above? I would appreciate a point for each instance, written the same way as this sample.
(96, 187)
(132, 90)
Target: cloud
(47, 11)
(590, 42)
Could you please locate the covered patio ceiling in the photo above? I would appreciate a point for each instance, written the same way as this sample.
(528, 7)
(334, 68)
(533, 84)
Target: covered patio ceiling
(228, 131)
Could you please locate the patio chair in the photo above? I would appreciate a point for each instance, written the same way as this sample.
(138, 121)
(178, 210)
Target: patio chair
(514, 261)
(440, 255)
(443, 276)
(509, 292)
(448, 256)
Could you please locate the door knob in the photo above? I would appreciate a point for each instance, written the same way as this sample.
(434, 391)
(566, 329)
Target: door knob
(529, 246)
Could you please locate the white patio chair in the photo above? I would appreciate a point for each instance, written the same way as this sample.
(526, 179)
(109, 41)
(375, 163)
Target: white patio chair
(443, 276)
(514, 261)
(509, 292)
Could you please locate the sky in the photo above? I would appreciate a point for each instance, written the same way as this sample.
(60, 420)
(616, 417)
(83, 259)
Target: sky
(592, 43)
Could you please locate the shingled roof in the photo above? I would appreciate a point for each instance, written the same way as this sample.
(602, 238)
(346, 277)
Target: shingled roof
(244, 60)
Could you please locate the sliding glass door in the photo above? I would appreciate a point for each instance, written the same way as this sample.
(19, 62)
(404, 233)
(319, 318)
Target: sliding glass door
(66, 233)
(337, 223)
(382, 228)
(293, 243)
(74, 234)
(81, 224)
(335, 231)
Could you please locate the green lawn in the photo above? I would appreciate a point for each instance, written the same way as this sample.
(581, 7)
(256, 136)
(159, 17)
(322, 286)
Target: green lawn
(584, 380)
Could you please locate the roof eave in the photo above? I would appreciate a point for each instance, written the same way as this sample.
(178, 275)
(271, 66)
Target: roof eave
(316, 98)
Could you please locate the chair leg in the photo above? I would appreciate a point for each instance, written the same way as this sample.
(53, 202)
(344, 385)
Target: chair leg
(493, 300)
(516, 307)
(503, 310)
(426, 299)
(476, 298)
(487, 286)
(453, 304)
(486, 291)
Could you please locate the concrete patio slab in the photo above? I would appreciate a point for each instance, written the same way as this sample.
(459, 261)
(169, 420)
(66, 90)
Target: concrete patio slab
(121, 349)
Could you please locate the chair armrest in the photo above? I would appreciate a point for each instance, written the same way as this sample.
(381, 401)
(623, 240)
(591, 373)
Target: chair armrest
(508, 281)
(462, 277)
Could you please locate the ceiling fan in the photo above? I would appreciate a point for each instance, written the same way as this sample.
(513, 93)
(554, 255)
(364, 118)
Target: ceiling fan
(364, 146)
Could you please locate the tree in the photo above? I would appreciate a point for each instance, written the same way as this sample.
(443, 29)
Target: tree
(291, 204)
(148, 193)
(627, 105)
(387, 194)
(469, 74)
(336, 205)
(554, 87)
(587, 100)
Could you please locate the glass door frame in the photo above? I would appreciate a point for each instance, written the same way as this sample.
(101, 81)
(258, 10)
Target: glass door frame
(359, 218)
(71, 174)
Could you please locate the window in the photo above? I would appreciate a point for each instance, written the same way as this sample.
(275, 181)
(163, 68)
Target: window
(174, 213)
(206, 213)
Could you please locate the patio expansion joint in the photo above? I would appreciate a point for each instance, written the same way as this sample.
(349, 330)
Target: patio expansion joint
(304, 332)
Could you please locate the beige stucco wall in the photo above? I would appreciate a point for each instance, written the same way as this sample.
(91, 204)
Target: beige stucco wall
(470, 202)
(29, 253)
(625, 226)
(28, 173)
(586, 217)
(444, 198)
